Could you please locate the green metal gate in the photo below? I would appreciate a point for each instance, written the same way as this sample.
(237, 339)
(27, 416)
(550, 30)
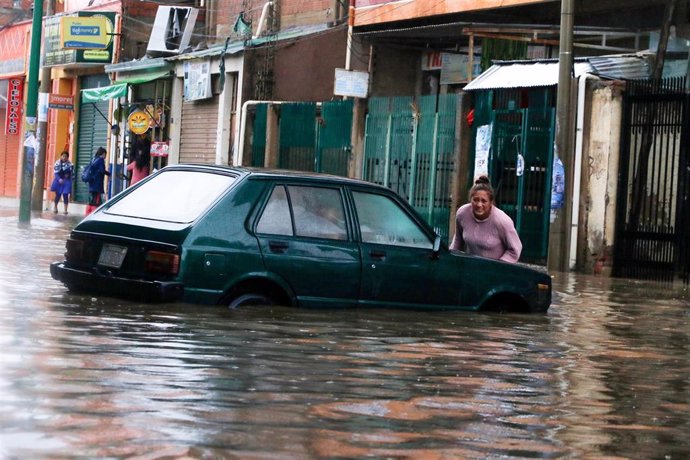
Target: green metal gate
(92, 132)
(312, 138)
(409, 147)
(298, 136)
(333, 144)
(520, 165)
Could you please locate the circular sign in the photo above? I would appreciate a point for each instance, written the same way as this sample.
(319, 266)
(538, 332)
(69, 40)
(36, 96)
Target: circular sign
(139, 122)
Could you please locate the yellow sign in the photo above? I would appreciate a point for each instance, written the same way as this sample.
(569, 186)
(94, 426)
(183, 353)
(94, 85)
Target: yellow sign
(85, 32)
(139, 122)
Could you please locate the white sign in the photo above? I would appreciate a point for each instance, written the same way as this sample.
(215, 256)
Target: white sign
(197, 80)
(42, 107)
(454, 68)
(351, 83)
(482, 149)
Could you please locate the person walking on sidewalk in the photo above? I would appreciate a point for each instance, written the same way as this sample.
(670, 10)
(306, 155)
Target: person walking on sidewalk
(98, 173)
(62, 182)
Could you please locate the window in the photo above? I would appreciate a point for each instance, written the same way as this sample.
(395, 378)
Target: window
(382, 221)
(276, 219)
(173, 196)
(318, 213)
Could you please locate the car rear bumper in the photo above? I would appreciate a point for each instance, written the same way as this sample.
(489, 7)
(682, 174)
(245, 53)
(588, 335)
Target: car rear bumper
(93, 281)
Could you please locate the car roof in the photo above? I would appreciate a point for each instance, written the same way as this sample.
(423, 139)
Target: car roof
(268, 173)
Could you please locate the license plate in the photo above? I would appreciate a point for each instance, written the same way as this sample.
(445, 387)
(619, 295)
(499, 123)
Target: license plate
(112, 255)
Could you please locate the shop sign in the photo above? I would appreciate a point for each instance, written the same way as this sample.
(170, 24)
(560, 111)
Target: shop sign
(13, 49)
(159, 149)
(432, 60)
(90, 39)
(15, 96)
(84, 32)
(60, 102)
(139, 122)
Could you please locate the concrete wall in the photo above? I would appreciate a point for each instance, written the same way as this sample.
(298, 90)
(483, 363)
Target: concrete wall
(395, 72)
(305, 69)
(599, 176)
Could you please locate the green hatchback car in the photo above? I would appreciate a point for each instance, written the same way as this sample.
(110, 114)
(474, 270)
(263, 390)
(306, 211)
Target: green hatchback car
(240, 236)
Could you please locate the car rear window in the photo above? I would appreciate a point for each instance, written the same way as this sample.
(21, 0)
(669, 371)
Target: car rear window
(173, 196)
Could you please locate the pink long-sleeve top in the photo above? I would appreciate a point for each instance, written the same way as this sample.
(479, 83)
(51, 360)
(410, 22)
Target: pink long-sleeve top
(137, 173)
(494, 237)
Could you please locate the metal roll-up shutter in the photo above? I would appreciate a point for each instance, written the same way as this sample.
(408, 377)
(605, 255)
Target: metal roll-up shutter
(199, 130)
(9, 160)
(92, 132)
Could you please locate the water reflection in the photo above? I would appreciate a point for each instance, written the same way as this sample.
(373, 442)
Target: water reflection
(605, 373)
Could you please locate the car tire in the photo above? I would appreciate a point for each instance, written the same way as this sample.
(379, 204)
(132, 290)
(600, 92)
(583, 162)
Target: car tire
(250, 299)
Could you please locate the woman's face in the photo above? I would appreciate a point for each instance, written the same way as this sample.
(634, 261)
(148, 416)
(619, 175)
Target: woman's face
(64, 157)
(481, 204)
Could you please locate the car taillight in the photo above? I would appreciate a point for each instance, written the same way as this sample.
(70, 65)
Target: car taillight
(162, 262)
(75, 250)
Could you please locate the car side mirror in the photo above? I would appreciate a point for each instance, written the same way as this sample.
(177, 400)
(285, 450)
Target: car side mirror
(437, 247)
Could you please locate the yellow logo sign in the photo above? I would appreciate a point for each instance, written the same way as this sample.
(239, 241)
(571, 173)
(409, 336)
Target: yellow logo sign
(139, 122)
(92, 32)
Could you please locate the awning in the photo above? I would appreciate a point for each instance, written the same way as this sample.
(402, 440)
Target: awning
(522, 74)
(119, 88)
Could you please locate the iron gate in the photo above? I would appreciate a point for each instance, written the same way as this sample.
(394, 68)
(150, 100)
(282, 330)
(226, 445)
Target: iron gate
(311, 139)
(519, 169)
(519, 159)
(409, 148)
(653, 209)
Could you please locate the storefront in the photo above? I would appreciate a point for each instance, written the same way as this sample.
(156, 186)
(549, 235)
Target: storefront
(12, 68)
(139, 101)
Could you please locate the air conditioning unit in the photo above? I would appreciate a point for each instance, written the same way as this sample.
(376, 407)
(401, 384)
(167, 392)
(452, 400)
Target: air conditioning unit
(172, 30)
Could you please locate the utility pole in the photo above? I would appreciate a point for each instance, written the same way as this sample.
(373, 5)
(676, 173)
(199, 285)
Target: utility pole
(30, 142)
(42, 134)
(559, 240)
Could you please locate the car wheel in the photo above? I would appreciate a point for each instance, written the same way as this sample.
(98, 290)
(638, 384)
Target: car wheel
(250, 299)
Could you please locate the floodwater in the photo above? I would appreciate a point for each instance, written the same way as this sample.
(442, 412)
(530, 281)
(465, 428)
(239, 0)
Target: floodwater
(605, 374)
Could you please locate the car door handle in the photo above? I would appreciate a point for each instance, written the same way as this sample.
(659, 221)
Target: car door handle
(277, 246)
(378, 255)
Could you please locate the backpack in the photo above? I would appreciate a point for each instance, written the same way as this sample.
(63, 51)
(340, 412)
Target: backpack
(88, 172)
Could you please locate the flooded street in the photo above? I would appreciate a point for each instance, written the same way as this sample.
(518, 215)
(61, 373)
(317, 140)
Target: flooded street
(606, 373)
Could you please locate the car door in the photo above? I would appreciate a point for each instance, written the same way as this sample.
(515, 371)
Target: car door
(398, 267)
(305, 239)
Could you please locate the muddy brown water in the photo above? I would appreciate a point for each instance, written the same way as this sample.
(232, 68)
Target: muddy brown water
(606, 373)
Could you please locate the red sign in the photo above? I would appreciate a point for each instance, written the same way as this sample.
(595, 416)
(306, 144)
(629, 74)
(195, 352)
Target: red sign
(60, 102)
(159, 149)
(432, 60)
(15, 98)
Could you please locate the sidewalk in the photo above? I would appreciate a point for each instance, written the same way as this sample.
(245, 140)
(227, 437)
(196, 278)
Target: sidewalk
(74, 209)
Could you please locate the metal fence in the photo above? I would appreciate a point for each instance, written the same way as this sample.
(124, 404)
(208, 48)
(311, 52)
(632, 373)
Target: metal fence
(653, 207)
(409, 148)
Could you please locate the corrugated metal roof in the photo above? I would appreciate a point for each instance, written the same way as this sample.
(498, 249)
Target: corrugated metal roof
(529, 74)
(238, 46)
(621, 67)
(234, 47)
(522, 74)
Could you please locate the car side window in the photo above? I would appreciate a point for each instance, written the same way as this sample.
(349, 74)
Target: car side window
(275, 219)
(383, 221)
(318, 212)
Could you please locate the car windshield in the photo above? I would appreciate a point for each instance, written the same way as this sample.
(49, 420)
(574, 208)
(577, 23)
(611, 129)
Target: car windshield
(173, 196)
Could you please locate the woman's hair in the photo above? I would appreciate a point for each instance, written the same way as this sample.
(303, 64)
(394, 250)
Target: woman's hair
(65, 152)
(100, 151)
(482, 183)
(142, 159)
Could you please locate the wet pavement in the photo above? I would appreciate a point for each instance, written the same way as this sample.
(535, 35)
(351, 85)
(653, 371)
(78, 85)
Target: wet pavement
(605, 374)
